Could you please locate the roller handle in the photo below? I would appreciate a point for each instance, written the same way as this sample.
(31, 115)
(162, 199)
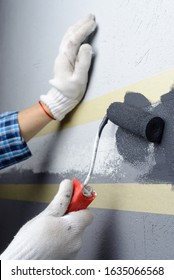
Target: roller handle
(79, 201)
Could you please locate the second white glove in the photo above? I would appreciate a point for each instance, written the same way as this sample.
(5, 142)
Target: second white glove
(71, 69)
(52, 234)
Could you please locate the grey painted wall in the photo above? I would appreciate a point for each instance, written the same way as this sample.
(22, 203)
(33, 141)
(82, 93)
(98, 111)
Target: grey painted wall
(134, 41)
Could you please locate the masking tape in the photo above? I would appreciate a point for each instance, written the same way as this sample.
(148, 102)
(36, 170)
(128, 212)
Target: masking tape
(148, 198)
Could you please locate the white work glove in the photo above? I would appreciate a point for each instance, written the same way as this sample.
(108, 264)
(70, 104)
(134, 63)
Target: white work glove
(52, 234)
(70, 69)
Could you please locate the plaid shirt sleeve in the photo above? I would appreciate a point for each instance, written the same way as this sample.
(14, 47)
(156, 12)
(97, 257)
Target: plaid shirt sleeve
(13, 148)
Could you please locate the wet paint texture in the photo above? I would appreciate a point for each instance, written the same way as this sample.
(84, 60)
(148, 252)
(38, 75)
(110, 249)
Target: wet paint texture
(135, 150)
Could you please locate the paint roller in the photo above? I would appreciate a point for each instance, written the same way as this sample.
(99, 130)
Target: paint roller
(134, 119)
(83, 194)
(137, 121)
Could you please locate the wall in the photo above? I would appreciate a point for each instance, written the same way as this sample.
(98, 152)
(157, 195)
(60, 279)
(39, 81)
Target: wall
(133, 63)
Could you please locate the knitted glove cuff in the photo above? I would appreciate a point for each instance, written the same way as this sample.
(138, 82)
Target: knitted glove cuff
(58, 104)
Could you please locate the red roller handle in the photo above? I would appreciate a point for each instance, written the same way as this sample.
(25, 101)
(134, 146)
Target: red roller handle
(79, 201)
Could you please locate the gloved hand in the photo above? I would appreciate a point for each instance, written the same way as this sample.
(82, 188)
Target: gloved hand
(52, 234)
(71, 69)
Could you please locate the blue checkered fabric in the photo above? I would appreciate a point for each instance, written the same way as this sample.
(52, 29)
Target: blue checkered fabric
(13, 148)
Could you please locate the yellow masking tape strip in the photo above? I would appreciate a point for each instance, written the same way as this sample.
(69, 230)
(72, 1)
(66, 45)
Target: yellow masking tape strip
(149, 198)
(95, 109)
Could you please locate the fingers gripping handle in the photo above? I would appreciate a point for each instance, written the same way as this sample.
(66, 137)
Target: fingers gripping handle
(81, 197)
